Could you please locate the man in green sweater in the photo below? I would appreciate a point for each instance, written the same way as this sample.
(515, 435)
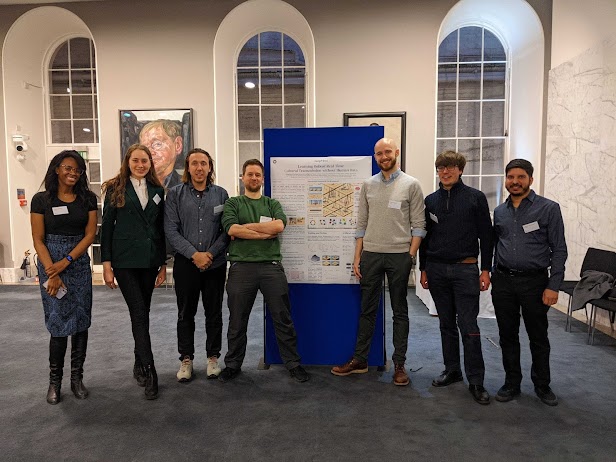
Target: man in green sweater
(390, 225)
(254, 222)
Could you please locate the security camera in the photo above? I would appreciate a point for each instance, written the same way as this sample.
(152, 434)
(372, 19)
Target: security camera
(20, 142)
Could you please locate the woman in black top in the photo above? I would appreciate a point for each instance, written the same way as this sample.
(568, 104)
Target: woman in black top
(63, 219)
(133, 250)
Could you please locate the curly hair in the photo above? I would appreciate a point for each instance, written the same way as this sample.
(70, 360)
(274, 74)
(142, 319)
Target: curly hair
(116, 186)
(81, 188)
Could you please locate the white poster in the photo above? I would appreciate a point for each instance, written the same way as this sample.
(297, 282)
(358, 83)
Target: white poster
(320, 197)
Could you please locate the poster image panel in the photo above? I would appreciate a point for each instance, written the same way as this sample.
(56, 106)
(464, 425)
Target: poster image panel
(168, 134)
(394, 124)
(320, 197)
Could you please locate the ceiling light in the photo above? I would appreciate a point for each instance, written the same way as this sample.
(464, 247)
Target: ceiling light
(87, 130)
(249, 85)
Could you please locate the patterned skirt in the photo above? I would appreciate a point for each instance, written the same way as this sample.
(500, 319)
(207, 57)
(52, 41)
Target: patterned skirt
(73, 312)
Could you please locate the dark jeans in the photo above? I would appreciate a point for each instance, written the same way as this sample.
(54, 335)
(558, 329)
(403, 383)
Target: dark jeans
(455, 291)
(509, 293)
(373, 266)
(245, 279)
(189, 284)
(137, 285)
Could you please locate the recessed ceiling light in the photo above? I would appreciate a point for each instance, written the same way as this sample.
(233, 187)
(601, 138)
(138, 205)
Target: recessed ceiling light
(68, 90)
(249, 85)
(87, 130)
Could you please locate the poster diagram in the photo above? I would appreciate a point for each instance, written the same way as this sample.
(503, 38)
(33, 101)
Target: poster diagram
(320, 196)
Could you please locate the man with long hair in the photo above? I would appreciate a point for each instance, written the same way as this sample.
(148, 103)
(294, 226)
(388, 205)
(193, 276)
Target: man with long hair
(193, 215)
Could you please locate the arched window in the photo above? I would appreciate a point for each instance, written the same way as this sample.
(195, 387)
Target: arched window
(472, 101)
(72, 93)
(271, 90)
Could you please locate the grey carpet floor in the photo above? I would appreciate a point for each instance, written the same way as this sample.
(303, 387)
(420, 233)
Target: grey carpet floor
(265, 415)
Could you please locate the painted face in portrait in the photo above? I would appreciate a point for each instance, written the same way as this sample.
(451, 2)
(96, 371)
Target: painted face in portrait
(139, 164)
(253, 178)
(164, 149)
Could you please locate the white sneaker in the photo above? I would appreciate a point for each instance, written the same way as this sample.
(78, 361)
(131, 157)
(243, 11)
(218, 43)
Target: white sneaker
(186, 368)
(213, 369)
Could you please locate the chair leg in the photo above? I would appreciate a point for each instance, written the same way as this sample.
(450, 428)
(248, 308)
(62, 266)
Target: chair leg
(591, 325)
(569, 314)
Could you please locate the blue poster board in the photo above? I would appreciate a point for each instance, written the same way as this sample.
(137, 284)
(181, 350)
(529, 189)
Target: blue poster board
(326, 316)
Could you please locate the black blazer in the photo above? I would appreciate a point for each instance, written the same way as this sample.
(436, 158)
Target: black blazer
(132, 237)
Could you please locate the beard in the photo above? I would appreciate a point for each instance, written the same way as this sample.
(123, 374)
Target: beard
(392, 165)
(252, 189)
(521, 193)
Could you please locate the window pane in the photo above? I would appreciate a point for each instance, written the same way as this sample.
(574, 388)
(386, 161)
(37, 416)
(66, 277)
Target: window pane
(470, 44)
(248, 123)
(81, 82)
(493, 156)
(60, 107)
(84, 131)
(82, 107)
(445, 145)
(470, 150)
(271, 116)
(96, 140)
(271, 86)
(294, 117)
(249, 151)
(494, 81)
(493, 48)
(447, 75)
(271, 49)
(249, 55)
(492, 187)
(59, 82)
(95, 171)
(80, 53)
(293, 55)
(472, 181)
(493, 123)
(446, 120)
(468, 119)
(470, 81)
(96, 255)
(294, 86)
(61, 131)
(96, 189)
(448, 49)
(59, 60)
(248, 86)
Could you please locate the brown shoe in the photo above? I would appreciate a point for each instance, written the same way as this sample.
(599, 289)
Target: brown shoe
(352, 367)
(401, 378)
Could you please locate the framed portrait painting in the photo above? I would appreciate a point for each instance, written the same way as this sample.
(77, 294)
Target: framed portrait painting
(393, 122)
(168, 134)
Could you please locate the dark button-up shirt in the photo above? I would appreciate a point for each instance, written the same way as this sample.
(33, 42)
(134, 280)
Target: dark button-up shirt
(193, 221)
(531, 237)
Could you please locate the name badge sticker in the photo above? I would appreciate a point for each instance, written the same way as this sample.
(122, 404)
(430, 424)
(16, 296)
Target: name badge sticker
(395, 205)
(433, 217)
(530, 227)
(264, 219)
(156, 199)
(219, 208)
(61, 210)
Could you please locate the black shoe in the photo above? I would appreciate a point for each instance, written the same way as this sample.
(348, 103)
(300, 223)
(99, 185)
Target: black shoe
(53, 394)
(479, 394)
(78, 388)
(151, 382)
(139, 373)
(228, 373)
(507, 393)
(299, 374)
(546, 395)
(447, 378)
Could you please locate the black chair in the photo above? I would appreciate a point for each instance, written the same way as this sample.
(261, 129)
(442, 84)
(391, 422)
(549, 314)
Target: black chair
(608, 303)
(597, 260)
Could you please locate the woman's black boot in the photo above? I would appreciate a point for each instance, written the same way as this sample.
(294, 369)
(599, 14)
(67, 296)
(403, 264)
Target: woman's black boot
(151, 382)
(79, 345)
(57, 350)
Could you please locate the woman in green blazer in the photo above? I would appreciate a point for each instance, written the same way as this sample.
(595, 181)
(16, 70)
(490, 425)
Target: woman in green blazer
(133, 249)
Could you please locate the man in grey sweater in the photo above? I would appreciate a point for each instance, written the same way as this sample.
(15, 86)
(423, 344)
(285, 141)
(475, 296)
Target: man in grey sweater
(390, 226)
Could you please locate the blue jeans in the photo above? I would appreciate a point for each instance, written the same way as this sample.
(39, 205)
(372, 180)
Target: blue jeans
(373, 266)
(455, 290)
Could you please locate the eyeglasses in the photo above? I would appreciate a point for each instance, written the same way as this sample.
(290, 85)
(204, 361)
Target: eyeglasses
(69, 169)
(449, 168)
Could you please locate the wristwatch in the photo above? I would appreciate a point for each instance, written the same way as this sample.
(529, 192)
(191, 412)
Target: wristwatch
(69, 258)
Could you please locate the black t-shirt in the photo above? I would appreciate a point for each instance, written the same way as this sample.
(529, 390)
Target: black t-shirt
(63, 218)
